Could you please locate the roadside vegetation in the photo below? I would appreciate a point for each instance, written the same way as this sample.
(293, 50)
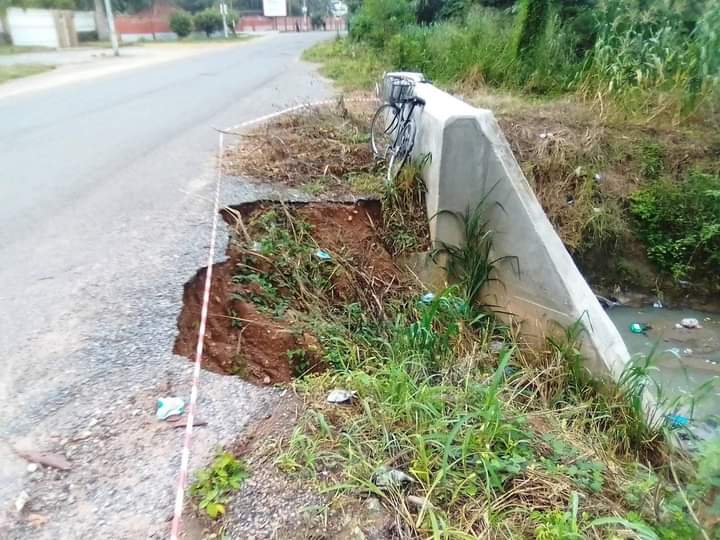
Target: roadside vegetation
(451, 421)
(8, 73)
(611, 108)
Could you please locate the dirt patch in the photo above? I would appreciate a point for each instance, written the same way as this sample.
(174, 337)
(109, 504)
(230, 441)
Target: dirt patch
(283, 263)
(324, 150)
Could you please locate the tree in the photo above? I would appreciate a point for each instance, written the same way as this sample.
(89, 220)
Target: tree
(208, 21)
(195, 6)
(130, 6)
(531, 22)
(379, 20)
(181, 23)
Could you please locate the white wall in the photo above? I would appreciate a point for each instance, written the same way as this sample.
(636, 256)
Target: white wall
(84, 21)
(32, 27)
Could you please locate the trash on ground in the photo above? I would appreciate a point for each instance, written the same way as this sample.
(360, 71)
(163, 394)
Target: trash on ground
(639, 328)
(427, 298)
(55, 461)
(419, 502)
(677, 420)
(340, 396)
(657, 304)
(32, 467)
(385, 477)
(21, 501)
(257, 247)
(323, 255)
(690, 322)
(687, 351)
(169, 406)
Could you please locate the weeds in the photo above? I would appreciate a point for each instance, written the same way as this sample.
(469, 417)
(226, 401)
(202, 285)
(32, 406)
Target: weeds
(471, 263)
(213, 485)
(681, 224)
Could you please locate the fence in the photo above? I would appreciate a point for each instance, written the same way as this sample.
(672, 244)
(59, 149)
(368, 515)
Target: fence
(259, 23)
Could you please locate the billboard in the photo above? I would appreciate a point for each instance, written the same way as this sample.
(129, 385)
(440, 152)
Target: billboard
(274, 8)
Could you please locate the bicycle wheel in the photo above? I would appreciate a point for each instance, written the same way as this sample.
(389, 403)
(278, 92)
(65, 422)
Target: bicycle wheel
(383, 130)
(401, 153)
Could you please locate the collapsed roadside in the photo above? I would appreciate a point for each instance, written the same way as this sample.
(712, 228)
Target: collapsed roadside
(448, 423)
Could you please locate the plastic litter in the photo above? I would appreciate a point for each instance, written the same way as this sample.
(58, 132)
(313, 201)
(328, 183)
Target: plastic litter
(340, 396)
(427, 298)
(323, 255)
(169, 406)
(677, 420)
(385, 477)
(657, 304)
(690, 322)
(638, 328)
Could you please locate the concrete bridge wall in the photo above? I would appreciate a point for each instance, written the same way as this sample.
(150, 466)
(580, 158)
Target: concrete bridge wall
(470, 159)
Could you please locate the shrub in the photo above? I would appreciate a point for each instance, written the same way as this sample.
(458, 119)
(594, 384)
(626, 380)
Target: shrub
(378, 20)
(680, 224)
(208, 21)
(181, 23)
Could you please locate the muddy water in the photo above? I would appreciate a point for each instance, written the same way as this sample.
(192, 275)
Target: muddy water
(686, 358)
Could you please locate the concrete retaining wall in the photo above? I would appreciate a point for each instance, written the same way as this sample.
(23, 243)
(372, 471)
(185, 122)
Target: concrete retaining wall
(472, 159)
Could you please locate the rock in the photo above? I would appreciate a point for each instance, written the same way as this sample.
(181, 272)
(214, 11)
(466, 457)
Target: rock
(21, 501)
(266, 380)
(373, 505)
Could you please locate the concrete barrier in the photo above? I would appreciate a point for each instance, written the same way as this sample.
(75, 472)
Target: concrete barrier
(471, 159)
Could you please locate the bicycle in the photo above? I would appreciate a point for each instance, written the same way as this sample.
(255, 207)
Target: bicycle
(393, 130)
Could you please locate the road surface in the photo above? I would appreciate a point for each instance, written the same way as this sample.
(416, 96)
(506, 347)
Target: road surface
(105, 188)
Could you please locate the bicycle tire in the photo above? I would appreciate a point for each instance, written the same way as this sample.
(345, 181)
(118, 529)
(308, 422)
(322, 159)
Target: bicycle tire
(382, 130)
(400, 154)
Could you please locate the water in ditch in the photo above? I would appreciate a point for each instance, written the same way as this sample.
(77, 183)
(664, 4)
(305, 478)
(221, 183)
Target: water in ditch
(685, 358)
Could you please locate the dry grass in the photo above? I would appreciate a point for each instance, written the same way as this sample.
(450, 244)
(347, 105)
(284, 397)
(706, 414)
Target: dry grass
(322, 150)
(583, 164)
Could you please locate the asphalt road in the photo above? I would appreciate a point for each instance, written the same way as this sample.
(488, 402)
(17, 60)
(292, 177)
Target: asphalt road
(105, 190)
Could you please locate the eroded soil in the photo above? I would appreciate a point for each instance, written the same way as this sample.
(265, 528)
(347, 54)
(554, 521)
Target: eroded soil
(247, 339)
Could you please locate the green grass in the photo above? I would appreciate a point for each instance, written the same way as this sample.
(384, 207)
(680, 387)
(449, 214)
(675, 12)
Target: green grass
(353, 65)
(8, 73)
(497, 439)
(13, 49)
(192, 40)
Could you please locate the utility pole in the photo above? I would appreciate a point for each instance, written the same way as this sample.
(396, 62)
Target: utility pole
(224, 12)
(111, 27)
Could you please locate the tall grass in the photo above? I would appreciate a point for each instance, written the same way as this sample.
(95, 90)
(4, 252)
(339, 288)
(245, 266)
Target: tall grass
(645, 57)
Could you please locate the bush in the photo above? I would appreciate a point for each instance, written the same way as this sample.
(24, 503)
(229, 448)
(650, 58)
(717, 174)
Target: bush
(181, 23)
(680, 224)
(208, 21)
(378, 20)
